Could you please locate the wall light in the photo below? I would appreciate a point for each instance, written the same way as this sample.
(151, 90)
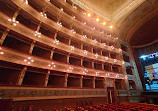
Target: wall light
(60, 24)
(96, 55)
(52, 65)
(37, 34)
(72, 48)
(43, 14)
(106, 58)
(84, 36)
(26, 1)
(70, 69)
(85, 52)
(13, 21)
(56, 41)
(29, 60)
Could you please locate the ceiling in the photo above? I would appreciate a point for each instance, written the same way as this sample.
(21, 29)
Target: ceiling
(128, 17)
(106, 8)
(147, 33)
(113, 10)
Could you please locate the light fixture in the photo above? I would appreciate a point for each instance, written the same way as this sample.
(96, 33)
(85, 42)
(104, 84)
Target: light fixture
(117, 38)
(97, 19)
(120, 50)
(64, 0)
(48, 0)
(26, 1)
(60, 24)
(37, 34)
(29, 60)
(126, 77)
(104, 23)
(56, 41)
(85, 52)
(111, 26)
(61, 9)
(52, 65)
(104, 44)
(94, 28)
(89, 14)
(43, 14)
(84, 23)
(106, 58)
(74, 17)
(107, 75)
(102, 32)
(110, 35)
(85, 71)
(13, 21)
(75, 7)
(123, 62)
(1, 52)
(70, 69)
(72, 47)
(115, 60)
(73, 31)
(95, 41)
(96, 55)
(97, 73)
(117, 76)
(112, 47)
(84, 36)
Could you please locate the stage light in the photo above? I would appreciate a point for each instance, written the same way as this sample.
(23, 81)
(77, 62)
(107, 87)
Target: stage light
(143, 57)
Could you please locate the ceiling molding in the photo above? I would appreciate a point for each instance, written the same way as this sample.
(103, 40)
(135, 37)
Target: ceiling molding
(140, 46)
(136, 19)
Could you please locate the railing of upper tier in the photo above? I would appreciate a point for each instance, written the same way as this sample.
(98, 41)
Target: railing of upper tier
(21, 58)
(49, 22)
(77, 23)
(28, 93)
(50, 42)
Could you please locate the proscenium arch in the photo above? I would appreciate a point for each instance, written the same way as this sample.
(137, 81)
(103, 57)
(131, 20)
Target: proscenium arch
(127, 28)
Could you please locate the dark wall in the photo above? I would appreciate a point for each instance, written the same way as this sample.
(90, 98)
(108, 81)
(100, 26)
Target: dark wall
(143, 51)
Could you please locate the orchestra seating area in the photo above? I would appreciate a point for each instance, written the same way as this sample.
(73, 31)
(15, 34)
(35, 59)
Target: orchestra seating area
(123, 106)
(117, 107)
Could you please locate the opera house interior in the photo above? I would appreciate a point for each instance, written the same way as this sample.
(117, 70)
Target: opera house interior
(78, 55)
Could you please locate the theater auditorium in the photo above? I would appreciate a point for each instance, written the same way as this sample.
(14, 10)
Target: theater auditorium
(78, 55)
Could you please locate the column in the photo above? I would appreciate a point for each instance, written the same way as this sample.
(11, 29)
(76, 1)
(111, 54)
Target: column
(21, 76)
(47, 78)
